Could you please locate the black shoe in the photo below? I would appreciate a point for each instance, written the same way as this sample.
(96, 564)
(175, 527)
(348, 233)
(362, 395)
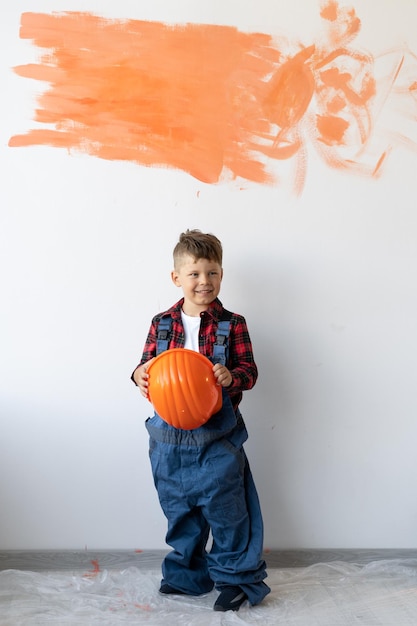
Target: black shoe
(230, 599)
(165, 588)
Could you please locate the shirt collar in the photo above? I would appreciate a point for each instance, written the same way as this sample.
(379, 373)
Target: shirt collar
(214, 310)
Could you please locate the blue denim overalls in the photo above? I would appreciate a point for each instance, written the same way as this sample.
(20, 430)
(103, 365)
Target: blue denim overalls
(204, 482)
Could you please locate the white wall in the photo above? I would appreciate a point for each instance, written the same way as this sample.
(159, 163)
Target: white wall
(327, 282)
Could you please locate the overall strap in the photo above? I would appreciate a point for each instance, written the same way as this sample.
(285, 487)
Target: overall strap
(221, 345)
(163, 334)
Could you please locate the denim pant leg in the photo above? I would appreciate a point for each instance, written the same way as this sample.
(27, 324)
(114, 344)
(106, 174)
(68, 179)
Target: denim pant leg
(185, 568)
(234, 514)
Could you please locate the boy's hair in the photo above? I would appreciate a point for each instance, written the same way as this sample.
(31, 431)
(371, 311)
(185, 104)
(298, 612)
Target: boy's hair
(199, 246)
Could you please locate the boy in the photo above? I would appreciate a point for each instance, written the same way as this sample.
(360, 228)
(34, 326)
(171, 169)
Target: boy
(202, 476)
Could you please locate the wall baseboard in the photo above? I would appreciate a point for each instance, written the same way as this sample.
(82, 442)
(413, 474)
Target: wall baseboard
(60, 560)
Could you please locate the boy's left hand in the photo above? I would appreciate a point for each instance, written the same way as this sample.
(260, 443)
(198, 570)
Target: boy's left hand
(222, 375)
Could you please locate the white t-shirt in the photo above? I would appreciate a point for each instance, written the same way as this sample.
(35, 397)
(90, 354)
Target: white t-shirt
(191, 329)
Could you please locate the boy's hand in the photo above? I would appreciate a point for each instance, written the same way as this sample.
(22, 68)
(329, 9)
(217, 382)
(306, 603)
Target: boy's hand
(222, 375)
(140, 376)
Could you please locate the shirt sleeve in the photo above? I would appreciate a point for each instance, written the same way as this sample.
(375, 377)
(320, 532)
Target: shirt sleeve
(149, 350)
(241, 360)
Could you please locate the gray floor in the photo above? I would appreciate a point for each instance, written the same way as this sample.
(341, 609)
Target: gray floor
(309, 588)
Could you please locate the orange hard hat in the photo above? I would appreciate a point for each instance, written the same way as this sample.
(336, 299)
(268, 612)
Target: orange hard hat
(182, 388)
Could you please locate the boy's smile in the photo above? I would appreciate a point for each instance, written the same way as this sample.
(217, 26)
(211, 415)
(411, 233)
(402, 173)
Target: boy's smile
(200, 281)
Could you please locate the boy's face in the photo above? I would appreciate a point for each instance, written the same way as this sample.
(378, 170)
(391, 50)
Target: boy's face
(200, 281)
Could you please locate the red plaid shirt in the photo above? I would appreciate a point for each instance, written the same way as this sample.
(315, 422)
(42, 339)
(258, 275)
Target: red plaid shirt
(240, 358)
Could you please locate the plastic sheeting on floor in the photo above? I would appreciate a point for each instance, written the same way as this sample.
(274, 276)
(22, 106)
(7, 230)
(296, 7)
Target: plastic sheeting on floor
(382, 593)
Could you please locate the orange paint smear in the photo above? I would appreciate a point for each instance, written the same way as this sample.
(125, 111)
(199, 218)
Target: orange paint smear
(347, 24)
(207, 100)
(329, 11)
(290, 90)
(331, 128)
(146, 92)
(143, 607)
(96, 570)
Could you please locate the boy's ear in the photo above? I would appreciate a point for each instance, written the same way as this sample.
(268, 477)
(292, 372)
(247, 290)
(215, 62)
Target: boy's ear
(175, 278)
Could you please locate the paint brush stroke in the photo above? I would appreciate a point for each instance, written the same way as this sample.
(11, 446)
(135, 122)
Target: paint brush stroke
(209, 100)
(147, 92)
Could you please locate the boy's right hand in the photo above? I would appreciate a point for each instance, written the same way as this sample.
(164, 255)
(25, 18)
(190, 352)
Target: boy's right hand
(141, 376)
